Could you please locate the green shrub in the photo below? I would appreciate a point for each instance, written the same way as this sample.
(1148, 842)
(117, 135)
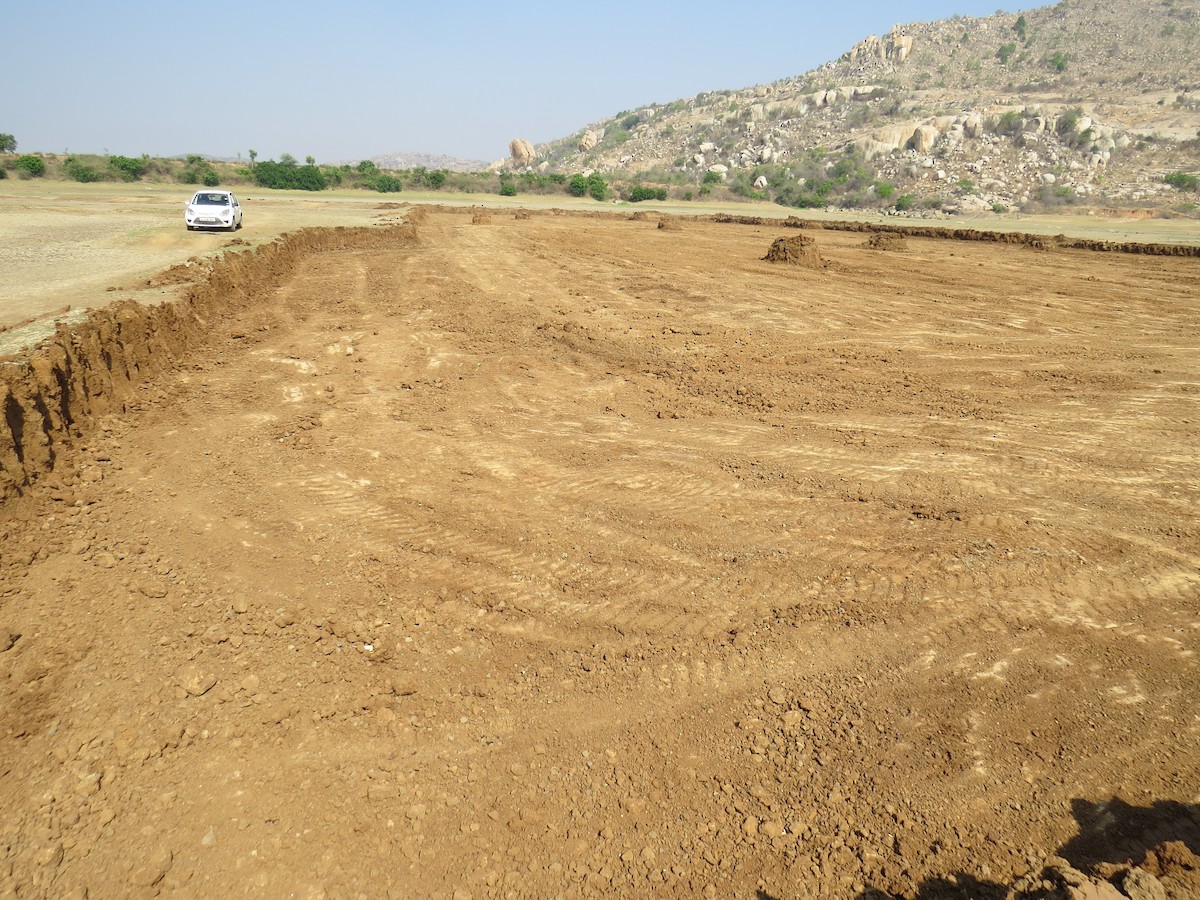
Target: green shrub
(711, 178)
(597, 187)
(3, 174)
(127, 168)
(638, 194)
(386, 184)
(198, 170)
(999, 208)
(966, 185)
(8, 143)
(1005, 52)
(1011, 122)
(906, 202)
(884, 190)
(79, 170)
(1058, 61)
(577, 186)
(32, 166)
(1183, 181)
(281, 176)
(508, 188)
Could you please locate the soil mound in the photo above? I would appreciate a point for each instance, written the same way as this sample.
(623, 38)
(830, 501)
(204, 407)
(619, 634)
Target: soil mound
(521, 214)
(183, 273)
(670, 223)
(886, 240)
(797, 250)
(481, 219)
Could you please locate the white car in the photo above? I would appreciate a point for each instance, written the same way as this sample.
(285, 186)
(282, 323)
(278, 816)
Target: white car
(213, 209)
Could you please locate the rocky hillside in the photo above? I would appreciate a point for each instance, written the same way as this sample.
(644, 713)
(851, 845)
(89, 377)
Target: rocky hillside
(1083, 101)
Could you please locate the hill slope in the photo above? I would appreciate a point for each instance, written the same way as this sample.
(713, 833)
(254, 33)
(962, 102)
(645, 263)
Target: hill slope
(1085, 99)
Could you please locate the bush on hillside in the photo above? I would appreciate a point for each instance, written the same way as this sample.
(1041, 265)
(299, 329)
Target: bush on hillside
(198, 170)
(127, 168)
(78, 170)
(1183, 181)
(31, 166)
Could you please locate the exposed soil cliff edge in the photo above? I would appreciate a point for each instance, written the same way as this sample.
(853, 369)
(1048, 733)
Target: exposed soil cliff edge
(51, 395)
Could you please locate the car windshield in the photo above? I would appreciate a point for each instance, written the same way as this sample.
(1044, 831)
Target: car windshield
(212, 199)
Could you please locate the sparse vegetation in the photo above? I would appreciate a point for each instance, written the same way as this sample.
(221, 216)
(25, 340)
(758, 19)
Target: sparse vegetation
(1009, 122)
(1183, 181)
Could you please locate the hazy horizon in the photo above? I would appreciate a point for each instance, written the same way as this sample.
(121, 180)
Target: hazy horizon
(368, 78)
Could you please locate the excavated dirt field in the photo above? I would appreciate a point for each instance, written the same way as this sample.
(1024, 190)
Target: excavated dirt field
(568, 555)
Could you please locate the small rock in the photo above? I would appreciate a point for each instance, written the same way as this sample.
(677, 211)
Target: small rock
(150, 587)
(773, 828)
(195, 680)
(152, 870)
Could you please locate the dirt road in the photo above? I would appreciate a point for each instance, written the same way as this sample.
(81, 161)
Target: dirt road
(555, 554)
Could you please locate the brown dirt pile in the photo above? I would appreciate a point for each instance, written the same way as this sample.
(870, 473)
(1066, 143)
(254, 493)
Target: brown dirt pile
(670, 223)
(797, 250)
(1017, 238)
(886, 240)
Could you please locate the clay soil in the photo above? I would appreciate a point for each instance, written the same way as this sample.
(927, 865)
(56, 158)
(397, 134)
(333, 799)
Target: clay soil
(567, 555)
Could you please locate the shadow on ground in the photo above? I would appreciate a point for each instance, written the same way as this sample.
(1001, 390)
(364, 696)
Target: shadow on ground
(1162, 840)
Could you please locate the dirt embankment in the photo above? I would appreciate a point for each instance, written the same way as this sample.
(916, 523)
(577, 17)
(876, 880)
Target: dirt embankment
(51, 395)
(1016, 238)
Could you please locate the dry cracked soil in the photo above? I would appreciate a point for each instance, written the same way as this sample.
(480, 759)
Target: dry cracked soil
(549, 554)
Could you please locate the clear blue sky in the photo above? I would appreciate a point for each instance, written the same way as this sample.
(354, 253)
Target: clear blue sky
(348, 80)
